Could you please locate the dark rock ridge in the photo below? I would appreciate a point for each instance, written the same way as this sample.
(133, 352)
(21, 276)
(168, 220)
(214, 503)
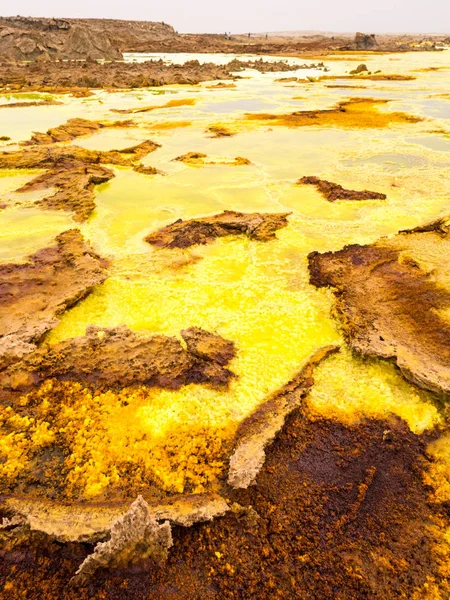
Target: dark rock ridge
(183, 234)
(118, 357)
(333, 191)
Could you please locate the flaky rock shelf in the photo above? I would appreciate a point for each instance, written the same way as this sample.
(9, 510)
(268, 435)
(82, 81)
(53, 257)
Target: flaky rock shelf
(392, 298)
(183, 234)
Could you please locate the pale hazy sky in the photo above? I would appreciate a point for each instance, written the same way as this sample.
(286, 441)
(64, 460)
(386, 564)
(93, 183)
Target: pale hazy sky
(217, 16)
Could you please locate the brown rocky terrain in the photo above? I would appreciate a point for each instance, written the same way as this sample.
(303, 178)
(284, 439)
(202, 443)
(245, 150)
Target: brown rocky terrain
(336, 511)
(393, 298)
(75, 185)
(333, 191)
(41, 39)
(154, 361)
(72, 170)
(71, 130)
(183, 234)
(33, 294)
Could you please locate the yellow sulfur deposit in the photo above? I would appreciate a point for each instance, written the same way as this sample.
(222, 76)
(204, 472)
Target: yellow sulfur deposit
(256, 294)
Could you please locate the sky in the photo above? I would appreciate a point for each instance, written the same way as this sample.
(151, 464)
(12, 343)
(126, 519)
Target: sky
(258, 16)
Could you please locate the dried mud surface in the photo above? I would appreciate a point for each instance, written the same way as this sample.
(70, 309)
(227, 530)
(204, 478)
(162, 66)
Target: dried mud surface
(183, 234)
(333, 191)
(33, 294)
(392, 300)
(154, 361)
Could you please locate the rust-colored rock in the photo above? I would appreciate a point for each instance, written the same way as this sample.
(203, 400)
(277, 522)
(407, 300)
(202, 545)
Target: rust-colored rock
(333, 191)
(41, 157)
(75, 188)
(154, 361)
(70, 130)
(392, 299)
(182, 234)
(33, 294)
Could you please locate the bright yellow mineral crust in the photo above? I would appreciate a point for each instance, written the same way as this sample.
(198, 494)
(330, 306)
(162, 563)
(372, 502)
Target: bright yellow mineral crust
(256, 294)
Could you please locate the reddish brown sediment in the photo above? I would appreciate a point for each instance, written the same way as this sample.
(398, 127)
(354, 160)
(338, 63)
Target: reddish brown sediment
(392, 300)
(75, 188)
(182, 234)
(198, 158)
(333, 191)
(31, 103)
(259, 430)
(35, 293)
(71, 130)
(92, 360)
(353, 113)
(347, 502)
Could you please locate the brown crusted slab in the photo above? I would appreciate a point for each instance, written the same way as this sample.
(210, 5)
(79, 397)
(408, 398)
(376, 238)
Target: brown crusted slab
(91, 522)
(393, 300)
(75, 188)
(333, 191)
(41, 157)
(258, 431)
(158, 360)
(74, 171)
(182, 234)
(33, 294)
(70, 130)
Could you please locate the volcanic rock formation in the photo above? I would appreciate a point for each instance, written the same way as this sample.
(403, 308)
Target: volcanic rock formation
(393, 298)
(154, 361)
(182, 234)
(333, 191)
(33, 294)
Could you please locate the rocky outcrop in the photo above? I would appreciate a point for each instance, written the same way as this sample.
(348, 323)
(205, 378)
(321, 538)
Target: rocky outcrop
(333, 191)
(35, 293)
(31, 39)
(392, 300)
(365, 41)
(261, 428)
(73, 171)
(182, 234)
(71, 130)
(136, 537)
(154, 361)
(75, 188)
